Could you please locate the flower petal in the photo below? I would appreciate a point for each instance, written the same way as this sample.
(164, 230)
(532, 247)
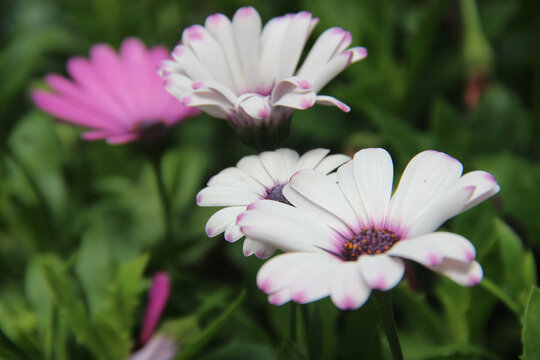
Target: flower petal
(485, 186)
(314, 282)
(381, 272)
(311, 159)
(348, 289)
(466, 274)
(331, 162)
(235, 177)
(220, 195)
(431, 249)
(427, 176)
(247, 30)
(328, 100)
(253, 166)
(318, 195)
(374, 174)
(222, 219)
(261, 250)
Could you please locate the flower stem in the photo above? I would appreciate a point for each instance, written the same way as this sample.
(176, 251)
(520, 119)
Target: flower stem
(386, 315)
(155, 161)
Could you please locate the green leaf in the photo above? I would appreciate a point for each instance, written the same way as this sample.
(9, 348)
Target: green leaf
(203, 338)
(456, 301)
(72, 309)
(519, 266)
(531, 327)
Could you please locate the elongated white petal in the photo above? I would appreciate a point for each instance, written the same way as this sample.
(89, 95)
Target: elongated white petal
(247, 29)
(466, 274)
(330, 70)
(444, 208)
(283, 231)
(431, 249)
(348, 289)
(347, 184)
(328, 100)
(222, 219)
(427, 176)
(314, 282)
(281, 271)
(233, 233)
(220, 195)
(290, 159)
(374, 174)
(221, 28)
(255, 106)
(275, 166)
(298, 31)
(381, 272)
(237, 178)
(317, 194)
(311, 159)
(261, 250)
(331, 163)
(253, 166)
(485, 186)
(272, 38)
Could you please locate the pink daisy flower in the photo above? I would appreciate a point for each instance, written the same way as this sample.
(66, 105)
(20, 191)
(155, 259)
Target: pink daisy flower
(119, 97)
(245, 73)
(347, 238)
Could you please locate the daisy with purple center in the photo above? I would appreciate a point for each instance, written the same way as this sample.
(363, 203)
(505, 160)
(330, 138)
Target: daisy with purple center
(347, 238)
(120, 97)
(245, 73)
(258, 177)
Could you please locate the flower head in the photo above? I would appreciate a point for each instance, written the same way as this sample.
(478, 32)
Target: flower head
(245, 73)
(257, 177)
(344, 239)
(120, 97)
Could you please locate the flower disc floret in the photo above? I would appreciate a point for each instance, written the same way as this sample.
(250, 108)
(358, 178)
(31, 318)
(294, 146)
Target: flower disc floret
(369, 241)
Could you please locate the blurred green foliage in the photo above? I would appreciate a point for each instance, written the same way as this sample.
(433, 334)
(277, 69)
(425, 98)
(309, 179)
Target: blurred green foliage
(81, 225)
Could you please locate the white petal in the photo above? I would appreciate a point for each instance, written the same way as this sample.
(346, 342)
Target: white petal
(253, 166)
(427, 176)
(221, 28)
(358, 53)
(298, 31)
(255, 106)
(374, 174)
(445, 207)
(280, 272)
(272, 38)
(332, 162)
(233, 233)
(280, 297)
(432, 249)
(220, 195)
(261, 250)
(209, 52)
(235, 177)
(189, 64)
(247, 30)
(347, 184)
(328, 100)
(295, 100)
(318, 195)
(466, 274)
(222, 219)
(311, 159)
(275, 166)
(331, 69)
(381, 272)
(328, 45)
(290, 159)
(348, 289)
(314, 282)
(287, 230)
(484, 184)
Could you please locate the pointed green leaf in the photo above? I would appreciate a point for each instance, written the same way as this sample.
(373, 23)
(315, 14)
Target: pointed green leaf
(531, 327)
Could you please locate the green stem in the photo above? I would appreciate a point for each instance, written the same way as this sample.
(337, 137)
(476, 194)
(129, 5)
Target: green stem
(155, 161)
(496, 291)
(292, 329)
(386, 315)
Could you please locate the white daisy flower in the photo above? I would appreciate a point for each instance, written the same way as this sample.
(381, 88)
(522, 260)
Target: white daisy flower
(245, 73)
(257, 177)
(344, 239)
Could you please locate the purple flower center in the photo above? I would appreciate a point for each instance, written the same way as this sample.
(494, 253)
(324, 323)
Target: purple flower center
(370, 241)
(276, 194)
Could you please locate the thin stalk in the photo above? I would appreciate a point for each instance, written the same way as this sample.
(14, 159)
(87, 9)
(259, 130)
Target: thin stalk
(386, 315)
(155, 161)
(496, 291)
(292, 324)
